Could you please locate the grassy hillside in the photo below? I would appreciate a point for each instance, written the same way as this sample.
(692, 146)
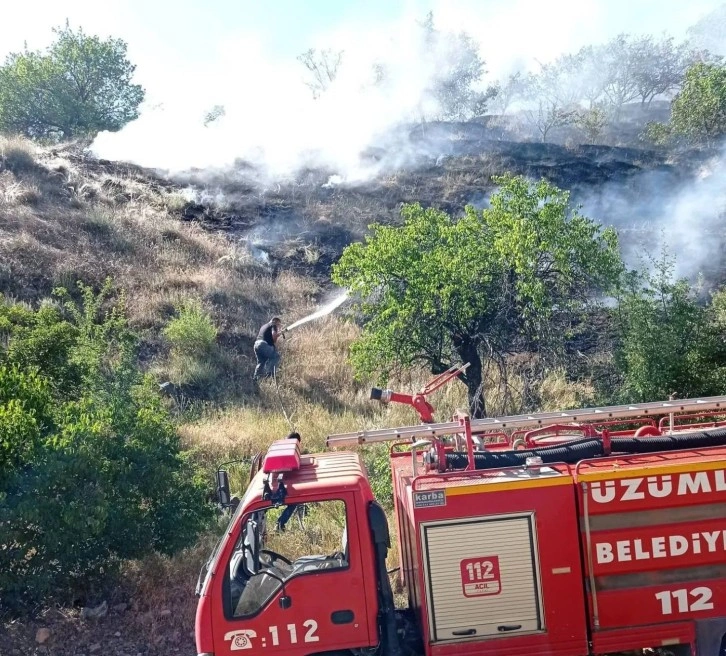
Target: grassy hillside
(64, 218)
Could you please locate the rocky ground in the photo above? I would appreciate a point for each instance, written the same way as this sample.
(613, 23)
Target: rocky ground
(120, 630)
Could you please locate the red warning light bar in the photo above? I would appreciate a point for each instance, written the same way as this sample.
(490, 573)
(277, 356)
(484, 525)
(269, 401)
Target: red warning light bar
(282, 456)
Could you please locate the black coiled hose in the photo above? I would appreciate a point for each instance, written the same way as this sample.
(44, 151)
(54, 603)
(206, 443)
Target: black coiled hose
(570, 452)
(573, 452)
(669, 442)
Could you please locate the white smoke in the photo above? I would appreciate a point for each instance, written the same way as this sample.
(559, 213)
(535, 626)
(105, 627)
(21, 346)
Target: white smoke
(667, 210)
(272, 120)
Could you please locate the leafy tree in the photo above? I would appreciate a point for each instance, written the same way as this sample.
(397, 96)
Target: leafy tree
(547, 116)
(619, 59)
(559, 83)
(79, 86)
(671, 342)
(457, 67)
(591, 76)
(477, 288)
(719, 310)
(91, 469)
(604, 78)
(592, 122)
(660, 66)
(554, 94)
(322, 68)
(504, 94)
(698, 112)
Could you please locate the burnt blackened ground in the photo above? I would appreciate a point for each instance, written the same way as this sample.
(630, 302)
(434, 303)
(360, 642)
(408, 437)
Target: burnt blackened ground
(305, 222)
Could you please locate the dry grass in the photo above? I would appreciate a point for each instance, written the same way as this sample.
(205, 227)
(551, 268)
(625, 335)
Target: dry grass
(319, 393)
(14, 193)
(64, 219)
(17, 154)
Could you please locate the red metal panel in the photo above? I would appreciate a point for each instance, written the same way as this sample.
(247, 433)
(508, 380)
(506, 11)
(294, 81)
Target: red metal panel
(401, 472)
(663, 603)
(607, 642)
(648, 548)
(653, 530)
(656, 488)
(561, 583)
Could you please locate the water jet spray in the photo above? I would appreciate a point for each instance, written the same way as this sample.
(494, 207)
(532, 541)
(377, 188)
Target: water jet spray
(323, 311)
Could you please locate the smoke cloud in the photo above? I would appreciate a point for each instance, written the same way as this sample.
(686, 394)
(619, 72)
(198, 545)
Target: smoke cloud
(675, 209)
(272, 121)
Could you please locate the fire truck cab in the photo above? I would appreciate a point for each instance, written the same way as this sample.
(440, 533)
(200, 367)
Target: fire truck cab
(262, 594)
(585, 546)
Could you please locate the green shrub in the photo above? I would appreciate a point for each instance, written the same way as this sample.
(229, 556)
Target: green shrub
(698, 112)
(378, 465)
(671, 342)
(192, 332)
(659, 134)
(192, 337)
(93, 472)
(25, 403)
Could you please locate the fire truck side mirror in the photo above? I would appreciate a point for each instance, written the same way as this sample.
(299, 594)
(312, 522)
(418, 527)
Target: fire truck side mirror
(223, 494)
(251, 560)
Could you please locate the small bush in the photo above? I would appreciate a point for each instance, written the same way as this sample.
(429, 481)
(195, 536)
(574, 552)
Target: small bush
(670, 342)
(658, 134)
(192, 332)
(17, 155)
(192, 337)
(175, 202)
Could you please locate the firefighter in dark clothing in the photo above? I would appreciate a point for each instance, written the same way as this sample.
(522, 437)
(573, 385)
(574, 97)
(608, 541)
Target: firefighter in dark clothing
(266, 349)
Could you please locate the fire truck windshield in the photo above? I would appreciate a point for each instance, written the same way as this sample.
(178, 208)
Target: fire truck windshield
(278, 544)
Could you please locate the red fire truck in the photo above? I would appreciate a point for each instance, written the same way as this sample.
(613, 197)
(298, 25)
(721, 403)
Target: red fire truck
(571, 533)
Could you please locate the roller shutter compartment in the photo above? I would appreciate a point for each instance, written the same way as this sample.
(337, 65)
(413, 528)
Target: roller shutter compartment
(482, 577)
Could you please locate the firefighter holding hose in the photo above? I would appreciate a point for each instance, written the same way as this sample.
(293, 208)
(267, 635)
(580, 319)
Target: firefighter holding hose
(266, 348)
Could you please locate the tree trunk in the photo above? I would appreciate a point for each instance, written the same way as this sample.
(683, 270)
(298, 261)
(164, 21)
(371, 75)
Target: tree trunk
(472, 377)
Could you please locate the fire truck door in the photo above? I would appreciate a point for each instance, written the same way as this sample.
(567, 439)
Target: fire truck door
(323, 605)
(482, 577)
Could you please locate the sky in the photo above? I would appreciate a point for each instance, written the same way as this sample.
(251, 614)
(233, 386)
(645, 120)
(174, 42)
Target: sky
(169, 37)
(194, 54)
